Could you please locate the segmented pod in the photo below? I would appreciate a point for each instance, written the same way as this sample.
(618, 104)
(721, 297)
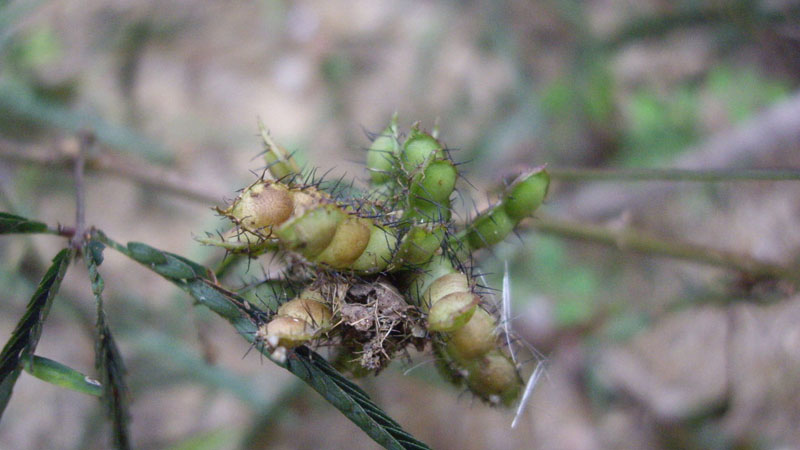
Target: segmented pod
(468, 344)
(520, 200)
(399, 234)
(431, 178)
(382, 154)
(270, 215)
(494, 378)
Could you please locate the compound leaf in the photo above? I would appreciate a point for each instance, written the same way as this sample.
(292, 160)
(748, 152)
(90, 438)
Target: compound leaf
(26, 335)
(310, 367)
(10, 223)
(108, 360)
(58, 374)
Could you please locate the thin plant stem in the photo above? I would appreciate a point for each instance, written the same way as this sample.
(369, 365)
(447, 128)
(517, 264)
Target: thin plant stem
(86, 140)
(126, 167)
(702, 176)
(640, 242)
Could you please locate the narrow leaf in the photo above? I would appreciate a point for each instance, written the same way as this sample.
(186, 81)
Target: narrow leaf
(60, 375)
(163, 263)
(10, 223)
(312, 368)
(26, 335)
(108, 359)
(350, 400)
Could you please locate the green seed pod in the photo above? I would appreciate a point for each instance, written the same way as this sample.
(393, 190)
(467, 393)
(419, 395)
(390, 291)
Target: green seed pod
(289, 331)
(526, 193)
(310, 233)
(382, 154)
(263, 205)
(418, 245)
(378, 253)
(452, 311)
(494, 378)
(489, 229)
(474, 339)
(431, 191)
(418, 148)
(520, 201)
(348, 243)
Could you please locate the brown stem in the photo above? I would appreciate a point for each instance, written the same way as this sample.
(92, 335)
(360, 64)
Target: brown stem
(86, 140)
(637, 241)
(140, 172)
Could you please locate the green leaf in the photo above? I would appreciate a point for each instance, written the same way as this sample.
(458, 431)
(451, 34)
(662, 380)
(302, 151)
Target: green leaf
(9, 223)
(145, 254)
(163, 263)
(348, 398)
(60, 375)
(26, 335)
(108, 359)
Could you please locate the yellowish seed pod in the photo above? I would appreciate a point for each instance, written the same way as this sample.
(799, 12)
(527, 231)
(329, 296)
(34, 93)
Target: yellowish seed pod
(494, 378)
(316, 313)
(452, 311)
(477, 337)
(263, 205)
(313, 294)
(348, 243)
(444, 286)
(378, 253)
(290, 331)
(310, 233)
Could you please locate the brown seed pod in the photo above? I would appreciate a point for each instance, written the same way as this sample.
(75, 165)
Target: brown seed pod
(263, 205)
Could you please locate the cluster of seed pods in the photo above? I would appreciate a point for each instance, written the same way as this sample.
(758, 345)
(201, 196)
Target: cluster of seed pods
(399, 233)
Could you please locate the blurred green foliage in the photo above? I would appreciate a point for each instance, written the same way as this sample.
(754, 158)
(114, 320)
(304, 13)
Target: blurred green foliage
(660, 125)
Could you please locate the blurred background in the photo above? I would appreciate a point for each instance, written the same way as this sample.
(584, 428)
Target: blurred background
(642, 351)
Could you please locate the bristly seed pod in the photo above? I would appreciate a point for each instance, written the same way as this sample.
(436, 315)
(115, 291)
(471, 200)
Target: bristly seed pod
(419, 148)
(263, 205)
(520, 200)
(382, 153)
(401, 231)
(494, 378)
(299, 320)
(477, 337)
